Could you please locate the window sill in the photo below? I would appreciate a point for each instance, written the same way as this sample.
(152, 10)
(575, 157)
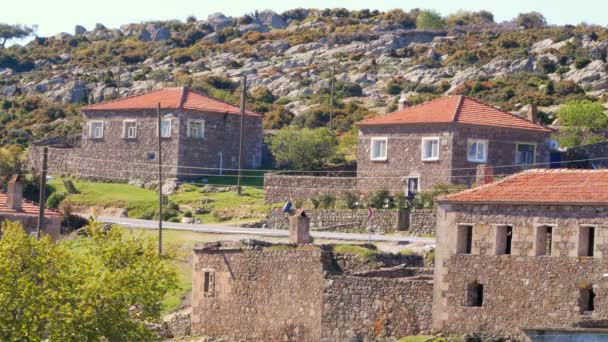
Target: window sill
(478, 161)
(384, 160)
(430, 160)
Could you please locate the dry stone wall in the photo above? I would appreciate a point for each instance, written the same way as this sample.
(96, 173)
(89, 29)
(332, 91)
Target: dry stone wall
(279, 188)
(423, 221)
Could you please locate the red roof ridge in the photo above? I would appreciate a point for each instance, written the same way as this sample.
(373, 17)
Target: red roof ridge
(88, 107)
(408, 108)
(507, 112)
(458, 107)
(222, 101)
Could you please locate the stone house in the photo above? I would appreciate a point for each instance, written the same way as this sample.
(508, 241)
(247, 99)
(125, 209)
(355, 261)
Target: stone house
(14, 208)
(443, 141)
(199, 137)
(257, 292)
(526, 253)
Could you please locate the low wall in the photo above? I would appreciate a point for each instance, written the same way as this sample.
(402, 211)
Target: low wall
(279, 188)
(375, 309)
(423, 221)
(384, 220)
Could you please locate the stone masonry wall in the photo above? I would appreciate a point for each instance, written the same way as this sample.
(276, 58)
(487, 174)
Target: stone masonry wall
(521, 289)
(423, 221)
(279, 188)
(375, 309)
(384, 220)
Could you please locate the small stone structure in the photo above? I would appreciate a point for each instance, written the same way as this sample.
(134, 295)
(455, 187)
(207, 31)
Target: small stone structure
(299, 228)
(259, 294)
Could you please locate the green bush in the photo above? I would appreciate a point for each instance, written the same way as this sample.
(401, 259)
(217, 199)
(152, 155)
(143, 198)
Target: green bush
(380, 199)
(581, 62)
(173, 219)
(350, 200)
(393, 87)
(327, 201)
(54, 200)
(188, 214)
(363, 252)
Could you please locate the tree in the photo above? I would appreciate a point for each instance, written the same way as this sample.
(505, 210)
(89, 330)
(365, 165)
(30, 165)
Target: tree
(303, 149)
(8, 32)
(277, 118)
(584, 122)
(107, 286)
(531, 20)
(462, 18)
(430, 20)
(10, 162)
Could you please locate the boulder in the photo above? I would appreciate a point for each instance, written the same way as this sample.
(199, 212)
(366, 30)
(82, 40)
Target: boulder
(187, 220)
(219, 21)
(6, 72)
(9, 90)
(63, 36)
(170, 186)
(212, 38)
(251, 27)
(144, 35)
(79, 29)
(78, 92)
(272, 19)
(161, 34)
(275, 46)
(41, 87)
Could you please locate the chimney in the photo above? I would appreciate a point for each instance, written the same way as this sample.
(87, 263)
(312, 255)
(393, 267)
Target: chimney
(299, 228)
(14, 195)
(532, 113)
(403, 104)
(484, 175)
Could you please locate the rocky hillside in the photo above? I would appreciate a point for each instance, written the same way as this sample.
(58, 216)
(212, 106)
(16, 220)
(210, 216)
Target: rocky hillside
(288, 59)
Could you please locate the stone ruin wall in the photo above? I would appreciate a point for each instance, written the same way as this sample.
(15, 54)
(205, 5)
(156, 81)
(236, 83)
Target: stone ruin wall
(279, 188)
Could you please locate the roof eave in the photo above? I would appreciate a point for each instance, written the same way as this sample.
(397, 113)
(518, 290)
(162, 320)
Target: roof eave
(452, 201)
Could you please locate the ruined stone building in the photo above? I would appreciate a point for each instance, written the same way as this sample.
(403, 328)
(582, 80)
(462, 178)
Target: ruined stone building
(199, 136)
(525, 253)
(268, 293)
(442, 141)
(15, 209)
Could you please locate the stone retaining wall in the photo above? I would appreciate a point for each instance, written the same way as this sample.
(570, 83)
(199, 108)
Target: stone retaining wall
(384, 220)
(423, 221)
(279, 188)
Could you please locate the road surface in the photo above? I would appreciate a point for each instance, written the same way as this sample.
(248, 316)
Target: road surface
(227, 229)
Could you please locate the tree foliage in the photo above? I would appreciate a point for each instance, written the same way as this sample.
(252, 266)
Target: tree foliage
(104, 287)
(10, 162)
(584, 122)
(531, 20)
(430, 20)
(8, 32)
(462, 18)
(303, 149)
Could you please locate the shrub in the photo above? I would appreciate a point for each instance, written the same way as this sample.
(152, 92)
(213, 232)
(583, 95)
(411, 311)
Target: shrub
(393, 87)
(54, 200)
(173, 219)
(327, 201)
(348, 89)
(581, 62)
(365, 254)
(547, 65)
(380, 199)
(182, 58)
(350, 200)
(430, 20)
(531, 20)
(188, 214)
(159, 75)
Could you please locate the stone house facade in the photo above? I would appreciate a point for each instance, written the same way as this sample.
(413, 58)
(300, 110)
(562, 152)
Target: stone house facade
(442, 141)
(199, 137)
(525, 253)
(257, 293)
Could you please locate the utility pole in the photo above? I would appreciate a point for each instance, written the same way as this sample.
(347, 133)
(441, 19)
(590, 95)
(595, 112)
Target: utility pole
(331, 99)
(243, 97)
(160, 184)
(42, 198)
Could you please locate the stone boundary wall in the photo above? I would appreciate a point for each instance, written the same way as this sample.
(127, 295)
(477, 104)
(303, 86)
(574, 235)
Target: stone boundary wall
(72, 162)
(279, 188)
(375, 309)
(384, 220)
(423, 221)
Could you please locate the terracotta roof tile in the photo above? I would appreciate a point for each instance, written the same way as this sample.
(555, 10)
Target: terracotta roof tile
(456, 108)
(171, 98)
(28, 208)
(548, 186)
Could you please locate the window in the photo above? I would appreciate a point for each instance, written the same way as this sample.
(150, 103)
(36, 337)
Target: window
(151, 155)
(474, 295)
(96, 131)
(196, 129)
(430, 148)
(586, 299)
(129, 129)
(586, 241)
(504, 240)
(165, 129)
(525, 154)
(464, 240)
(413, 186)
(208, 282)
(478, 151)
(379, 148)
(544, 240)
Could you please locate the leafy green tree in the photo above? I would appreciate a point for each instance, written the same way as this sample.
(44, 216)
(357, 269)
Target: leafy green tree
(8, 32)
(107, 286)
(584, 123)
(430, 20)
(303, 149)
(462, 18)
(10, 162)
(531, 20)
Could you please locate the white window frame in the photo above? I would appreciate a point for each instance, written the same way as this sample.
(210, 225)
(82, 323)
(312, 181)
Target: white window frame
(92, 134)
(125, 129)
(371, 152)
(202, 122)
(485, 150)
(168, 135)
(423, 145)
(517, 152)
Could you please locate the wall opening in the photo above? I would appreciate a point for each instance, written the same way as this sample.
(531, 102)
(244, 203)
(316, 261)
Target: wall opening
(587, 299)
(504, 239)
(208, 282)
(474, 295)
(464, 240)
(586, 241)
(544, 240)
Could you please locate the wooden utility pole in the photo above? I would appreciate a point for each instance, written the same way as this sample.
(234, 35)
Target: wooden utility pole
(42, 198)
(160, 183)
(331, 99)
(241, 136)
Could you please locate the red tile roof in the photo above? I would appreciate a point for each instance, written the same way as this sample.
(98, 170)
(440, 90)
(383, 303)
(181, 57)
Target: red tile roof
(456, 108)
(27, 208)
(541, 186)
(171, 98)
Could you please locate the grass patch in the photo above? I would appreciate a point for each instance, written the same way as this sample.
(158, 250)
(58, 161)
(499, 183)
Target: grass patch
(280, 248)
(420, 338)
(362, 252)
(407, 252)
